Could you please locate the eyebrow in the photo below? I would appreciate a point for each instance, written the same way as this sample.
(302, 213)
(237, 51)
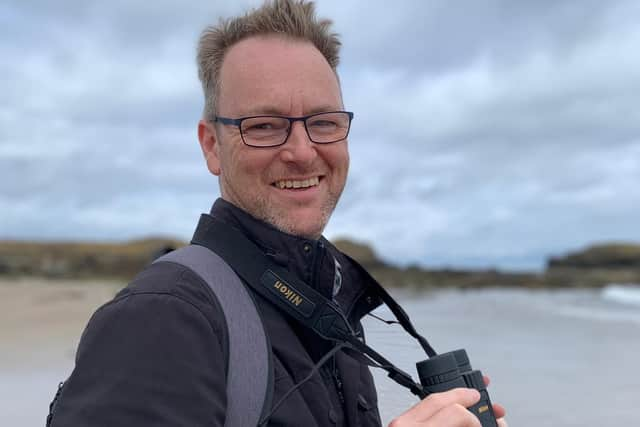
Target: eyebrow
(271, 110)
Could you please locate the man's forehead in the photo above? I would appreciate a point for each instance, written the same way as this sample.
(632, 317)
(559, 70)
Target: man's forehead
(265, 71)
(274, 44)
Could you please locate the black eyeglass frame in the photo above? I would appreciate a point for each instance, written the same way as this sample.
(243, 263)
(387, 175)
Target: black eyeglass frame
(238, 122)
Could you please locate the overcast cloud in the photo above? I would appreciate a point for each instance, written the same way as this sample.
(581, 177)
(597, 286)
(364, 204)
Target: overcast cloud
(486, 132)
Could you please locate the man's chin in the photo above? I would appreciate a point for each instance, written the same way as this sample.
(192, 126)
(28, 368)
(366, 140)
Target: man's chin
(308, 227)
(307, 232)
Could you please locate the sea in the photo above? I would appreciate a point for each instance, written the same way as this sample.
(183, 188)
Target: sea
(558, 358)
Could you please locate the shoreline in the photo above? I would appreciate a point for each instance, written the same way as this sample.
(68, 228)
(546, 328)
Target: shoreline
(593, 267)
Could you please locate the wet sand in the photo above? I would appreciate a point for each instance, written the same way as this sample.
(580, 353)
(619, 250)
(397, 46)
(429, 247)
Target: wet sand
(40, 325)
(41, 320)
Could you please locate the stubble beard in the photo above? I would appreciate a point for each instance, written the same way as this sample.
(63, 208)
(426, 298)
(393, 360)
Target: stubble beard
(277, 216)
(260, 207)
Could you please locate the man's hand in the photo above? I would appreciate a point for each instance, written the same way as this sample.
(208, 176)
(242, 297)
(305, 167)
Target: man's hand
(448, 409)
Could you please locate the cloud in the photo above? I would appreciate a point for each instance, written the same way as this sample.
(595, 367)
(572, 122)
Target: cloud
(497, 134)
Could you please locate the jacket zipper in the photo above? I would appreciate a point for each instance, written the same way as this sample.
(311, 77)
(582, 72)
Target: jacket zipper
(335, 374)
(337, 380)
(317, 256)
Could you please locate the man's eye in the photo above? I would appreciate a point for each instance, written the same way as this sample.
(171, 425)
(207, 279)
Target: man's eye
(324, 123)
(261, 126)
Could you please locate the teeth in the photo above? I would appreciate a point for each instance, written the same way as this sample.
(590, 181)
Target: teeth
(311, 182)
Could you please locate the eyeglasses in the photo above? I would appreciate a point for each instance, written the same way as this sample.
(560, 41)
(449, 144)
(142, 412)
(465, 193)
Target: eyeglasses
(271, 131)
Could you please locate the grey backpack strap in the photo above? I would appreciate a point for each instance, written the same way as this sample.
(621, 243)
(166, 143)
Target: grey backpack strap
(249, 378)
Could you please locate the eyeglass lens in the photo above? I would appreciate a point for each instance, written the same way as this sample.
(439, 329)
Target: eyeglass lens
(268, 131)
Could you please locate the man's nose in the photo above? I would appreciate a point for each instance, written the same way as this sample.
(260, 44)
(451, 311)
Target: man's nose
(299, 147)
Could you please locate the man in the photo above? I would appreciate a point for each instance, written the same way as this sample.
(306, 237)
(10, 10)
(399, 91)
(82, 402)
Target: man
(274, 131)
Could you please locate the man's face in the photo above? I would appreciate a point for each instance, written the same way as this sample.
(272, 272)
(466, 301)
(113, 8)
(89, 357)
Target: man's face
(273, 75)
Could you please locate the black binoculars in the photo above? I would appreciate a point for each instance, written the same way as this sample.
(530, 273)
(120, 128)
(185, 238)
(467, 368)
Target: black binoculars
(451, 370)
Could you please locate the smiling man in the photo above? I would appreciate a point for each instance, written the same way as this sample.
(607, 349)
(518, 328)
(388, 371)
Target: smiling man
(274, 131)
(286, 173)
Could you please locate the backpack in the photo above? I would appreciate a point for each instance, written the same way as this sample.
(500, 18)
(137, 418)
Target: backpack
(249, 371)
(249, 368)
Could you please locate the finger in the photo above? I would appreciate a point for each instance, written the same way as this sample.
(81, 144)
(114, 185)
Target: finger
(453, 416)
(426, 408)
(502, 422)
(499, 410)
(487, 380)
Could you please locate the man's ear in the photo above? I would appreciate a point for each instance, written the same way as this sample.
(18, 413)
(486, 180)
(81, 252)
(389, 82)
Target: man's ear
(209, 145)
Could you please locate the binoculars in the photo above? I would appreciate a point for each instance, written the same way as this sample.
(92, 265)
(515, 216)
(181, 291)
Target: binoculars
(451, 370)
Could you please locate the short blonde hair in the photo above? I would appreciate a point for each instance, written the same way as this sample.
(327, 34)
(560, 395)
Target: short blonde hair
(290, 18)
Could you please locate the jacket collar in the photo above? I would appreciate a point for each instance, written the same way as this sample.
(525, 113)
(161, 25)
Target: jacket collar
(313, 261)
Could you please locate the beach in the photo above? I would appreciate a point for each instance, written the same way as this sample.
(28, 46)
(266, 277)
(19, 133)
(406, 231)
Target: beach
(40, 325)
(562, 358)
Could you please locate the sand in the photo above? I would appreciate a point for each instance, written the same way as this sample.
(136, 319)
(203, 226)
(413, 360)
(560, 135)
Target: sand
(41, 320)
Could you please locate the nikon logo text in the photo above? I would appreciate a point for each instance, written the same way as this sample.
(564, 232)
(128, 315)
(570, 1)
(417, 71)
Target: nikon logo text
(283, 292)
(288, 293)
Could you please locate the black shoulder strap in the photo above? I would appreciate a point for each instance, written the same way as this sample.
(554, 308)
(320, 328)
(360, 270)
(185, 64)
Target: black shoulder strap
(272, 281)
(249, 374)
(296, 298)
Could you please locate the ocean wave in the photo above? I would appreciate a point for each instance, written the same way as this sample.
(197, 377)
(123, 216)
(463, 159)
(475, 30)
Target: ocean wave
(615, 303)
(598, 314)
(624, 293)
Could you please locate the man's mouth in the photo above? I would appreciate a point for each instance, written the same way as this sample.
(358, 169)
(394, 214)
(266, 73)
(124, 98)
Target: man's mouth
(294, 183)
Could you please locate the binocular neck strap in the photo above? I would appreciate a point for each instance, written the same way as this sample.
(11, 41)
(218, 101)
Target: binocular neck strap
(298, 299)
(396, 309)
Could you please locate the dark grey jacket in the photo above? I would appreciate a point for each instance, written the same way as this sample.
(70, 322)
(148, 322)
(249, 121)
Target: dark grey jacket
(156, 354)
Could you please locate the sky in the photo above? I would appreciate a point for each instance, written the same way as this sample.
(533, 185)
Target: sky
(486, 134)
